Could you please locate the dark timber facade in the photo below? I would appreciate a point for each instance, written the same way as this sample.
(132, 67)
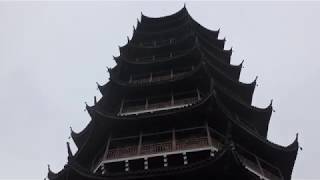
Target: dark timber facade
(174, 108)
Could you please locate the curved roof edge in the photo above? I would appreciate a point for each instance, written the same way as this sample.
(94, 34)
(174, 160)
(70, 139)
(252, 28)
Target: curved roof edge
(80, 138)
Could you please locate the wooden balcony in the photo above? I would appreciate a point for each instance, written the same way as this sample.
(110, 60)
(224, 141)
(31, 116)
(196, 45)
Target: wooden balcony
(179, 142)
(165, 143)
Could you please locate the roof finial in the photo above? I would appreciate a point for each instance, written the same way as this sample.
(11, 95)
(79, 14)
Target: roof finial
(95, 100)
(128, 39)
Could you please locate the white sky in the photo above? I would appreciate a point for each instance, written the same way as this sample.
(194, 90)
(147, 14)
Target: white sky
(51, 55)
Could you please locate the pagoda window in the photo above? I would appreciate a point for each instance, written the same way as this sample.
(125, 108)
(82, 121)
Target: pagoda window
(165, 143)
(159, 103)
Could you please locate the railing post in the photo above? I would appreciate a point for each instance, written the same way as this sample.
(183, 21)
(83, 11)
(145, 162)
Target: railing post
(171, 73)
(150, 80)
(173, 139)
(198, 94)
(140, 143)
(172, 99)
(147, 103)
(130, 79)
(121, 106)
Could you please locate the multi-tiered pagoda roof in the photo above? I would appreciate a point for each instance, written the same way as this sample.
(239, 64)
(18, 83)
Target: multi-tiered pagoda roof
(173, 81)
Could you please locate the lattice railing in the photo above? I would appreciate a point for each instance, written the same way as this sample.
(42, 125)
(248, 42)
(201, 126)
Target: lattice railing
(156, 148)
(122, 152)
(190, 143)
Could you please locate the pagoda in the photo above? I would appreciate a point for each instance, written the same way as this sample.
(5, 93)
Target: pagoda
(174, 108)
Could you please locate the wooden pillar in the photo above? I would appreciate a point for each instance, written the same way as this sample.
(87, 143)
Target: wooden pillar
(174, 140)
(171, 73)
(130, 79)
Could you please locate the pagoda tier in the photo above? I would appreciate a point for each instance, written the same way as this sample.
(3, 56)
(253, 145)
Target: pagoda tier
(174, 108)
(282, 156)
(167, 53)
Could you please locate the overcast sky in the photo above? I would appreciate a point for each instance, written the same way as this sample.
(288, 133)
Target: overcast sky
(51, 55)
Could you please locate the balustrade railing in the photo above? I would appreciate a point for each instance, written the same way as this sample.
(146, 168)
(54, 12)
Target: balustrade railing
(157, 147)
(193, 142)
(156, 78)
(169, 104)
(159, 57)
(122, 152)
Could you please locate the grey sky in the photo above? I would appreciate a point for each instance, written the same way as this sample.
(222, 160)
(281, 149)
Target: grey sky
(51, 55)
